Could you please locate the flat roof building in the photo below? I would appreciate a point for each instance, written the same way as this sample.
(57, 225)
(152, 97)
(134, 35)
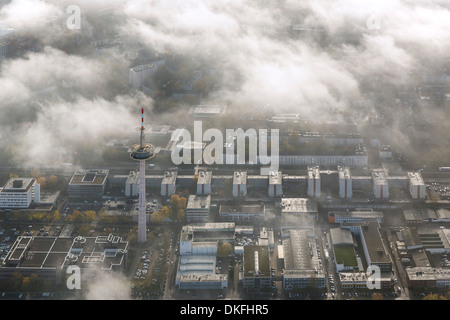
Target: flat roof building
(345, 183)
(295, 210)
(19, 193)
(256, 268)
(275, 184)
(242, 213)
(240, 183)
(428, 277)
(380, 184)
(416, 185)
(357, 216)
(374, 249)
(88, 184)
(198, 256)
(301, 265)
(168, 183)
(419, 215)
(198, 208)
(359, 280)
(204, 182)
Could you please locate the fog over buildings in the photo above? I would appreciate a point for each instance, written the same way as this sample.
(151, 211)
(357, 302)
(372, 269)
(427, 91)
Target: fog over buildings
(367, 53)
(375, 70)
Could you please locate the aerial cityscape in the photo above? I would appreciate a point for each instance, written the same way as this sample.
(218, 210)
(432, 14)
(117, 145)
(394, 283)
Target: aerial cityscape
(224, 150)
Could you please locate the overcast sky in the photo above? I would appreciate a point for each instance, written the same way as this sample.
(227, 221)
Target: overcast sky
(364, 41)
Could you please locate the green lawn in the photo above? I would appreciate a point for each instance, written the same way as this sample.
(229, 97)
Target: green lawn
(345, 255)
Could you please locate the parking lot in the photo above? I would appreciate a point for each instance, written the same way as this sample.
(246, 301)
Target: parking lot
(9, 234)
(154, 272)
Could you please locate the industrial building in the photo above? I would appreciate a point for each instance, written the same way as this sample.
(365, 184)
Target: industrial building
(374, 249)
(442, 215)
(428, 277)
(49, 257)
(204, 182)
(198, 208)
(240, 184)
(419, 215)
(357, 216)
(345, 183)
(359, 280)
(256, 268)
(313, 182)
(301, 266)
(88, 184)
(195, 237)
(266, 238)
(380, 184)
(168, 183)
(275, 184)
(20, 193)
(416, 185)
(198, 256)
(242, 213)
(202, 281)
(436, 242)
(294, 211)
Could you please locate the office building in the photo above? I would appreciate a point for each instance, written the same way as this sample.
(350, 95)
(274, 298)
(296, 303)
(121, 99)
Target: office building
(19, 193)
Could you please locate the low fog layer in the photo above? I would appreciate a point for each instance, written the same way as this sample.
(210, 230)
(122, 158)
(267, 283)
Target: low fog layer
(57, 101)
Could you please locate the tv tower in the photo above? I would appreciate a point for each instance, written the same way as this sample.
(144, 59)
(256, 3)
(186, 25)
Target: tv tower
(142, 152)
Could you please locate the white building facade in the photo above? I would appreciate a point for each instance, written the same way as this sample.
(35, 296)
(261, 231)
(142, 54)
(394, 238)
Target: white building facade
(19, 193)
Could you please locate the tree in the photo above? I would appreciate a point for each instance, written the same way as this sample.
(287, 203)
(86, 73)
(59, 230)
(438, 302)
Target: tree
(16, 281)
(36, 173)
(57, 216)
(224, 249)
(157, 217)
(84, 230)
(178, 207)
(42, 181)
(377, 296)
(181, 215)
(165, 212)
(52, 181)
(13, 175)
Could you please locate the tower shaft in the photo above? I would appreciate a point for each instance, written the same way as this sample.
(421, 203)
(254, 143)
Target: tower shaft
(142, 219)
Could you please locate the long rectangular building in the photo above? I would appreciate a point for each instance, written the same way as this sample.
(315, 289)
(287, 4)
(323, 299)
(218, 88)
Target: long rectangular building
(358, 216)
(301, 267)
(374, 249)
